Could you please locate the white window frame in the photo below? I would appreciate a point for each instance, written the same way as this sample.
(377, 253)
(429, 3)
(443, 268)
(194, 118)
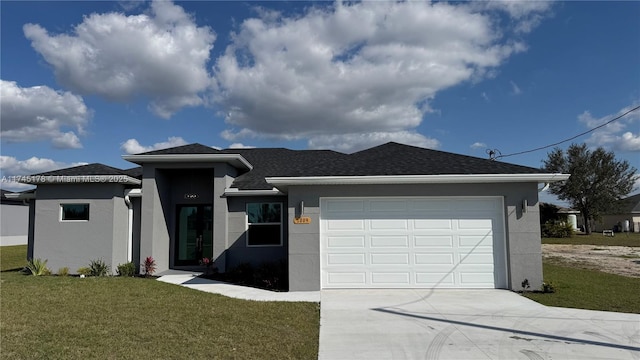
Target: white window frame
(248, 224)
(62, 219)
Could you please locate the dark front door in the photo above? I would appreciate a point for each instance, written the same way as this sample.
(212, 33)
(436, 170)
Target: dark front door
(194, 235)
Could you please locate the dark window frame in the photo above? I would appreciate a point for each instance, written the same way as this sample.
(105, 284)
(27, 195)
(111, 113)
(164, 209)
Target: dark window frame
(82, 215)
(264, 224)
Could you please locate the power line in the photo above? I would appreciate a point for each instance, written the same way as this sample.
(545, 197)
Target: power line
(560, 142)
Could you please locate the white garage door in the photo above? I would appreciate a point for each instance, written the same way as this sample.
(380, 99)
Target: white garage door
(412, 243)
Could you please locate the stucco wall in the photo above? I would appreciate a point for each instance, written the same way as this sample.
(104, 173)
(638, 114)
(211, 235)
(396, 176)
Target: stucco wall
(75, 243)
(238, 251)
(14, 224)
(163, 187)
(522, 230)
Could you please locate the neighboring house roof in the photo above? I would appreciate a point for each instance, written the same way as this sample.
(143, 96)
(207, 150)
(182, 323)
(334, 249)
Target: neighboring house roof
(10, 200)
(628, 205)
(261, 168)
(135, 172)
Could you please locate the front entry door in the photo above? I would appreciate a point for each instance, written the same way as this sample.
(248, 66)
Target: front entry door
(194, 235)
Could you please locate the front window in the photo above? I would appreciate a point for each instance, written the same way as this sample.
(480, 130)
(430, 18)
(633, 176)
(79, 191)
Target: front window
(74, 212)
(264, 224)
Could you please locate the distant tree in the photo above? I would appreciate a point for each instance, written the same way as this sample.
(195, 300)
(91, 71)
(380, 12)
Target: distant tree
(597, 180)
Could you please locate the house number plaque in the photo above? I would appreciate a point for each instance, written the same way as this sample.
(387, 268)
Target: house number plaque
(302, 220)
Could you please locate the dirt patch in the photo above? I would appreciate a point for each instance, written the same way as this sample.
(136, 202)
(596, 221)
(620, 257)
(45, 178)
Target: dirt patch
(620, 260)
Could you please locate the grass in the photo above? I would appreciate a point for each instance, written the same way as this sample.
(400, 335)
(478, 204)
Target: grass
(589, 289)
(620, 239)
(130, 318)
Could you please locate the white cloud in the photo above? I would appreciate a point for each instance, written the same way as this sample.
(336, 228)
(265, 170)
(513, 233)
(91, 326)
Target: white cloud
(161, 55)
(132, 146)
(485, 96)
(240, 146)
(367, 69)
(41, 113)
(525, 15)
(478, 145)
(12, 168)
(614, 135)
(349, 143)
(630, 141)
(515, 89)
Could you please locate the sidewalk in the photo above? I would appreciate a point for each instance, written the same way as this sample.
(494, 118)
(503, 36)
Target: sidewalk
(192, 281)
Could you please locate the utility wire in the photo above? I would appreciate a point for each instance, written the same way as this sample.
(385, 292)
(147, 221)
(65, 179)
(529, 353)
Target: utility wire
(493, 152)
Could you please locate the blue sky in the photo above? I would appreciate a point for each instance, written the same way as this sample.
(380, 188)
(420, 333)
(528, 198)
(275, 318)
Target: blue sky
(87, 82)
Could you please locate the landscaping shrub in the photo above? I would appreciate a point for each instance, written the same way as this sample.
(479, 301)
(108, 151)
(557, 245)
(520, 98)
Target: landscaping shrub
(547, 287)
(149, 266)
(37, 267)
(126, 269)
(557, 229)
(98, 268)
(63, 271)
(84, 271)
(268, 275)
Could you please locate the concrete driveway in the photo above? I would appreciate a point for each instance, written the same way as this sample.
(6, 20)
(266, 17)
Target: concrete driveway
(467, 324)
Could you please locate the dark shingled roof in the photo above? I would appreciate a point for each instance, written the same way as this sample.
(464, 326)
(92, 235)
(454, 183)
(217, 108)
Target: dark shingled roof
(184, 149)
(85, 170)
(387, 159)
(135, 172)
(5, 200)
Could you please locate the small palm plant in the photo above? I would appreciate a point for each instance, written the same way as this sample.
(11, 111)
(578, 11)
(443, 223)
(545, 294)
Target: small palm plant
(149, 266)
(37, 267)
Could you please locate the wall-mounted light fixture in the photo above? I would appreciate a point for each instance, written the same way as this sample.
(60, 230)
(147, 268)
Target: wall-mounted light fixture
(524, 205)
(301, 208)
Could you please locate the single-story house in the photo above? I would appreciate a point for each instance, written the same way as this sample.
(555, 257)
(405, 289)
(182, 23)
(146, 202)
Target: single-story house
(14, 219)
(392, 216)
(625, 216)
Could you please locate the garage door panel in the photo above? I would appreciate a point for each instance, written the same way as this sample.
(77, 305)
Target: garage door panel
(411, 242)
(344, 205)
(435, 279)
(389, 259)
(432, 241)
(388, 206)
(433, 224)
(389, 241)
(475, 224)
(430, 205)
(342, 259)
(345, 224)
(475, 258)
(345, 242)
(346, 278)
(390, 278)
(475, 241)
(438, 259)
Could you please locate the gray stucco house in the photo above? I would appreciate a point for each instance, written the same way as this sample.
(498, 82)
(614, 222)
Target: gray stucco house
(391, 216)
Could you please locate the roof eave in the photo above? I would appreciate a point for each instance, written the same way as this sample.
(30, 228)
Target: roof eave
(280, 181)
(236, 160)
(21, 196)
(255, 192)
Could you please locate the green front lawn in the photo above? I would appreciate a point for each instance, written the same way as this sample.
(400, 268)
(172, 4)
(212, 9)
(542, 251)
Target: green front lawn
(131, 318)
(589, 289)
(620, 239)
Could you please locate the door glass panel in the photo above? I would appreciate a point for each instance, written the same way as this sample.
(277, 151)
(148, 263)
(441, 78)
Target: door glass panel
(194, 235)
(187, 233)
(207, 231)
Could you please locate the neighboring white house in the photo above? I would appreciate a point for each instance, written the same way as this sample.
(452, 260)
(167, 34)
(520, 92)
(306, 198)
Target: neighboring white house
(14, 220)
(624, 218)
